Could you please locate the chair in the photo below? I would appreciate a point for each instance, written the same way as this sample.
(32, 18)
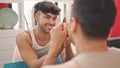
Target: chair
(59, 60)
(114, 42)
(20, 64)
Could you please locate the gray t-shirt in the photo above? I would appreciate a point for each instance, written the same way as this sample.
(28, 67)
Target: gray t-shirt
(108, 59)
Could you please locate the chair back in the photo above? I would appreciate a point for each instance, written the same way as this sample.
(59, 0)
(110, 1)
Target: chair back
(114, 42)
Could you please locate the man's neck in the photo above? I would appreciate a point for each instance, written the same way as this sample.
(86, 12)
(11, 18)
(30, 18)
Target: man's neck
(91, 46)
(40, 35)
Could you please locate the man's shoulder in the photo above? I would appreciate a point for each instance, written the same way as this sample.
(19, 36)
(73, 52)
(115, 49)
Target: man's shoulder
(23, 35)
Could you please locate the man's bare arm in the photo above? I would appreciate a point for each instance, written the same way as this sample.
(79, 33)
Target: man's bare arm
(27, 53)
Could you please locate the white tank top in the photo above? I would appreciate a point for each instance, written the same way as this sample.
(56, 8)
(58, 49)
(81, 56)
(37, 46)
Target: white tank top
(39, 50)
(108, 59)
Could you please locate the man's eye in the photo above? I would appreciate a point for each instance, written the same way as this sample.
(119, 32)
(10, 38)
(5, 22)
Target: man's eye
(46, 17)
(55, 18)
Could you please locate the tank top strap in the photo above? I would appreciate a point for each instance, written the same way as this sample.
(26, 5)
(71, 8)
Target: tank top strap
(33, 38)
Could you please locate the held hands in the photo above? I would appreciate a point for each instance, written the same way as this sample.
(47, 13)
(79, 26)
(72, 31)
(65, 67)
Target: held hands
(58, 41)
(58, 36)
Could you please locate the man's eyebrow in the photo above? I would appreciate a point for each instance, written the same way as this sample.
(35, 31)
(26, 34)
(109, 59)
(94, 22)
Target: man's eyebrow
(47, 15)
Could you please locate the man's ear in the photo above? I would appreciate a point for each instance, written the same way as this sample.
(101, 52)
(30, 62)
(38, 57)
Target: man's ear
(36, 16)
(73, 24)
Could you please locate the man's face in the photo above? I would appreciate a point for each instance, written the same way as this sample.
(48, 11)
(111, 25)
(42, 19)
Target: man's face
(46, 22)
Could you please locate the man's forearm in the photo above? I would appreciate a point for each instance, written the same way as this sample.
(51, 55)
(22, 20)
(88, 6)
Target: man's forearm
(69, 53)
(50, 59)
(37, 63)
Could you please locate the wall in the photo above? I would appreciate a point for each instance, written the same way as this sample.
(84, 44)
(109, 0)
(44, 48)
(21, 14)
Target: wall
(7, 45)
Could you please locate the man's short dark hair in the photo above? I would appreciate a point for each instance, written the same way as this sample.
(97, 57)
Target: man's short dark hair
(47, 7)
(96, 17)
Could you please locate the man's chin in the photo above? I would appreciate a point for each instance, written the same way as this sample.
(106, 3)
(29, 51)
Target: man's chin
(48, 32)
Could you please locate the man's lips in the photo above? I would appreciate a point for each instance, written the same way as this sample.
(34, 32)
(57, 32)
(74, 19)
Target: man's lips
(49, 27)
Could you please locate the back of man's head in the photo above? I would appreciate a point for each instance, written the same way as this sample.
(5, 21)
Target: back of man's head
(95, 17)
(47, 7)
